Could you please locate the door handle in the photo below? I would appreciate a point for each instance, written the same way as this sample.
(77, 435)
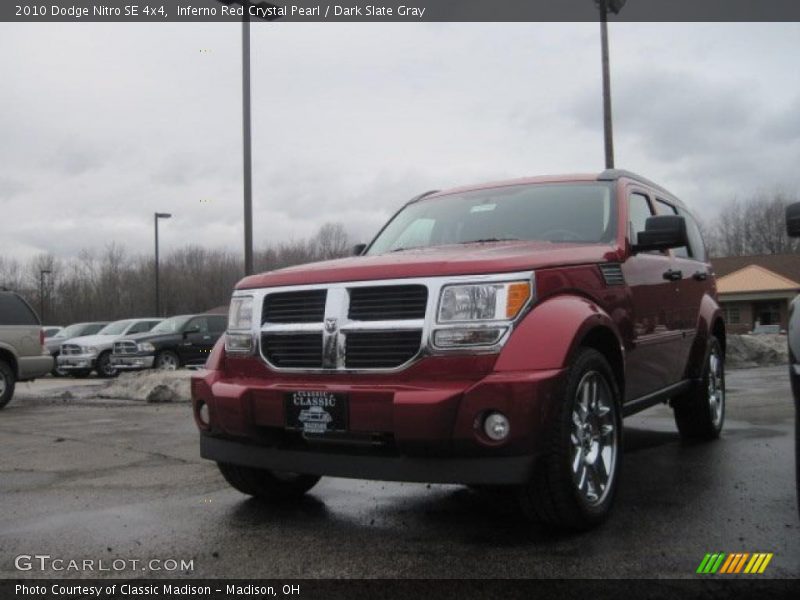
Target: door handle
(700, 276)
(673, 275)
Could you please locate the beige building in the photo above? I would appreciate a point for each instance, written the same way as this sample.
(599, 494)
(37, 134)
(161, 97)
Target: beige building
(757, 290)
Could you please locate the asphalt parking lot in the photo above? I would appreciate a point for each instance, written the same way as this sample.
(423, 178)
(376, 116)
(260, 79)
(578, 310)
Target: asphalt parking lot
(106, 479)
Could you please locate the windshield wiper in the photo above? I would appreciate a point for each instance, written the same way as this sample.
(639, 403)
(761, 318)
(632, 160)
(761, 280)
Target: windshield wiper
(486, 240)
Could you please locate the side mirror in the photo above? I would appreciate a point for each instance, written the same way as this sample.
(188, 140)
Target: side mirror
(358, 249)
(662, 233)
(793, 220)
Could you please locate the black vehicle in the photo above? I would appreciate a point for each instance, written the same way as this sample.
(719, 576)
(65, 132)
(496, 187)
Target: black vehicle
(173, 343)
(793, 229)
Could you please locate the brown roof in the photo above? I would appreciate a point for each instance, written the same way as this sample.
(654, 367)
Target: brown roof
(786, 265)
(754, 279)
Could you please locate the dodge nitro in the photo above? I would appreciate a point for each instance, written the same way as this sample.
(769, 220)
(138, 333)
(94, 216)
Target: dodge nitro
(491, 335)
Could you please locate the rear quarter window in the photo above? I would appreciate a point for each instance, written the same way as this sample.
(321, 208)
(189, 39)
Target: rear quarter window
(15, 311)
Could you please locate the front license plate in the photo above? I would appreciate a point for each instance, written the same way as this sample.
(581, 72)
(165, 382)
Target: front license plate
(316, 412)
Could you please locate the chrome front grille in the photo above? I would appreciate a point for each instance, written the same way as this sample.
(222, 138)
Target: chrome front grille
(70, 349)
(343, 327)
(125, 348)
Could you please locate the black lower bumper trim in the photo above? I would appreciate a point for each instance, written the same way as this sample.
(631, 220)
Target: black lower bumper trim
(505, 470)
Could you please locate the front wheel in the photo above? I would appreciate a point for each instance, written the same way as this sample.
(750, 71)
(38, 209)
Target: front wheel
(7, 383)
(272, 486)
(104, 367)
(700, 412)
(167, 361)
(575, 481)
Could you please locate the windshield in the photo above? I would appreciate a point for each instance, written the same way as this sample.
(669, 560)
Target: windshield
(172, 325)
(73, 330)
(115, 328)
(579, 213)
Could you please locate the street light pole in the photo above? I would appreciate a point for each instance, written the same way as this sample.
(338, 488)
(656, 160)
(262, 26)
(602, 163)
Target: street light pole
(42, 273)
(608, 132)
(156, 217)
(246, 141)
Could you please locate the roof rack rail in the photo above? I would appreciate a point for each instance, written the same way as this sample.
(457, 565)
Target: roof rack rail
(615, 174)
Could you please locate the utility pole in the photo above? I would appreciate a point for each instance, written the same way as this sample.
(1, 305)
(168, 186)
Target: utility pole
(246, 141)
(608, 130)
(156, 217)
(42, 273)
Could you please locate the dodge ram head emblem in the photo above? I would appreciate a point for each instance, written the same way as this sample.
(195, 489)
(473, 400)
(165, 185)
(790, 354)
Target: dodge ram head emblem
(330, 325)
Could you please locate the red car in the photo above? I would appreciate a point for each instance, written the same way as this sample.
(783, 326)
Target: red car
(491, 335)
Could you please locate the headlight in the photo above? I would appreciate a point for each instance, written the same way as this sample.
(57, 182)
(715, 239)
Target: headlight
(240, 316)
(483, 302)
(146, 347)
(89, 350)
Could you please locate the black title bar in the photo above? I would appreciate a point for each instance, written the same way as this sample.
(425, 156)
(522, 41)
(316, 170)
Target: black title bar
(157, 11)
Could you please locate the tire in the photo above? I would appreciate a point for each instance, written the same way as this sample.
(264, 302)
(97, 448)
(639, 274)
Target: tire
(82, 374)
(104, 368)
(700, 412)
(7, 383)
(267, 485)
(167, 360)
(57, 372)
(575, 481)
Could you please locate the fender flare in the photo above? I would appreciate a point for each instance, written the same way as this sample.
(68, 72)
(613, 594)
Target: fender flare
(709, 322)
(549, 335)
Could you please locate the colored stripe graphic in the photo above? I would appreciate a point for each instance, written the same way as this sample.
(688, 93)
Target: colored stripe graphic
(735, 563)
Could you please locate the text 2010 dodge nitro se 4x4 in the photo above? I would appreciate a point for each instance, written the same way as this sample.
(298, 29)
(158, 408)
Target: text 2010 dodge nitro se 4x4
(489, 335)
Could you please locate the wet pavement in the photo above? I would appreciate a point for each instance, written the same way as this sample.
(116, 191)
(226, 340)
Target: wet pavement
(112, 480)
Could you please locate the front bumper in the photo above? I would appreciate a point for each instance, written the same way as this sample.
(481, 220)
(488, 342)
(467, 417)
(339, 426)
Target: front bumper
(76, 362)
(503, 470)
(132, 363)
(400, 428)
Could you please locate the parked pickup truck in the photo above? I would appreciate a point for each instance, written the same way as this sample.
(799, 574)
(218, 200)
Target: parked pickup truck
(22, 354)
(82, 355)
(53, 344)
(491, 335)
(174, 343)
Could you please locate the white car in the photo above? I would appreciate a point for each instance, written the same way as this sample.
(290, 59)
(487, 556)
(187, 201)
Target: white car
(82, 355)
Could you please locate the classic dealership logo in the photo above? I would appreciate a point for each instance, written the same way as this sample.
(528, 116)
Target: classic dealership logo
(734, 563)
(331, 325)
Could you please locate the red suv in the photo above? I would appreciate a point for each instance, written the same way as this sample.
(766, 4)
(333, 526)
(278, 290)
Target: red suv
(491, 335)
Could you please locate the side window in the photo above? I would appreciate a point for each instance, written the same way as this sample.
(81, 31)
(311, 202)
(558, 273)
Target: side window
(638, 212)
(665, 208)
(14, 311)
(695, 238)
(197, 325)
(141, 327)
(94, 328)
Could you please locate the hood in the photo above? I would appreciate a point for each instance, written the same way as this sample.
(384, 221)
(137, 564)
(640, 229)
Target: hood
(438, 261)
(92, 340)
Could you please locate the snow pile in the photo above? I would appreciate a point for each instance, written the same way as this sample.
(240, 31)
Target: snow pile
(149, 386)
(748, 351)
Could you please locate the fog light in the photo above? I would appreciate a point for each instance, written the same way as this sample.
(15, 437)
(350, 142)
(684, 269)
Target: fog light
(453, 338)
(239, 343)
(204, 414)
(496, 426)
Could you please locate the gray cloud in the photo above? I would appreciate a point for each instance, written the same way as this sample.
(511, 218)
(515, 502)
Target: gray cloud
(103, 124)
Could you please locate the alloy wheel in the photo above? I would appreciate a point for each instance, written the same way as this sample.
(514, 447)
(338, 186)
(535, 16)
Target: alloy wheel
(594, 439)
(716, 387)
(167, 362)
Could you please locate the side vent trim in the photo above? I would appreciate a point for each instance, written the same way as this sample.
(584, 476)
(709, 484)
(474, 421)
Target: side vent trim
(612, 274)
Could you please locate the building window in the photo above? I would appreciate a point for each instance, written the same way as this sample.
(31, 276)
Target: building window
(767, 313)
(731, 315)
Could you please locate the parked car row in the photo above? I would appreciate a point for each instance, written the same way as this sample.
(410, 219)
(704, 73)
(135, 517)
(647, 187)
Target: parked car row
(134, 344)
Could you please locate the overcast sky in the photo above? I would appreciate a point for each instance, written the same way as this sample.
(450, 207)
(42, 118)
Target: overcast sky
(103, 124)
